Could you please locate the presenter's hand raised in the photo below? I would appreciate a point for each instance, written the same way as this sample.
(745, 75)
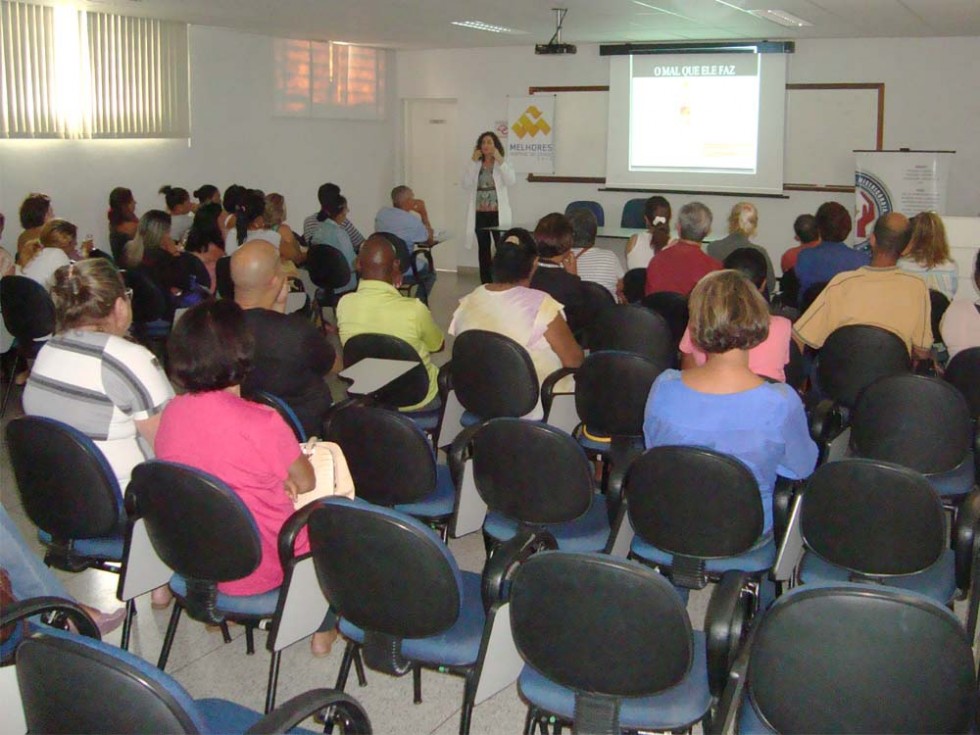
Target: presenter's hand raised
(476, 154)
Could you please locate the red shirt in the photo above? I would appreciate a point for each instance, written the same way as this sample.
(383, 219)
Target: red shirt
(788, 261)
(678, 268)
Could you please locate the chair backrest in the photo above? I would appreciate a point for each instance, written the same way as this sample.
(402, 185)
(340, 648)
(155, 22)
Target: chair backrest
(560, 616)
(589, 206)
(672, 307)
(789, 288)
(150, 303)
(389, 457)
(28, 313)
(796, 367)
(595, 300)
(384, 571)
(872, 518)
(962, 372)
(402, 251)
(939, 302)
(66, 485)
(283, 409)
(406, 390)
(694, 502)
(631, 328)
(634, 283)
(222, 274)
(810, 295)
(914, 421)
(196, 523)
(861, 659)
(633, 213)
(611, 389)
(328, 267)
(55, 669)
(855, 356)
(530, 471)
(492, 375)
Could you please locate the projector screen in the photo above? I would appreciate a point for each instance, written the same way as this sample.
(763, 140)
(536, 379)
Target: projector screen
(701, 122)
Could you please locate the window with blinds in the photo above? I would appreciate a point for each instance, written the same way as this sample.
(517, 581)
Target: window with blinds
(68, 73)
(327, 79)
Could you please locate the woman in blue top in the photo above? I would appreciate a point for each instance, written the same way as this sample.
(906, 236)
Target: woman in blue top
(331, 232)
(724, 406)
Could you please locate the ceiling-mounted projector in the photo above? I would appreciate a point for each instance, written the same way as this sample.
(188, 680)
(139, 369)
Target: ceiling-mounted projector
(555, 46)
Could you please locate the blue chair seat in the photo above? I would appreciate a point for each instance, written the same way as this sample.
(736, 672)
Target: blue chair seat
(757, 559)
(104, 547)
(749, 722)
(588, 533)
(457, 646)
(224, 716)
(425, 420)
(938, 582)
(440, 502)
(600, 444)
(674, 709)
(258, 606)
(957, 481)
(469, 419)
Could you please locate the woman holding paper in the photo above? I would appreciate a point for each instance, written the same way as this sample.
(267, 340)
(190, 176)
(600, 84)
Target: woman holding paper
(487, 176)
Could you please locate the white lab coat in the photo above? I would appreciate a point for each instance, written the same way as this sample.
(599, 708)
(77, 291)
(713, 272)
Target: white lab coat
(503, 176)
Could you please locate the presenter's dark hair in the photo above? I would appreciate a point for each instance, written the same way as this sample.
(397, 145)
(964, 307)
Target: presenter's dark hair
(553, 235)
(250, 207)
(750, 263)
(233, 195)
(805, 228)
(493, 136)
(33, 210)
(654, 203)
(833, 221)
(206, 193)
(515, 256)
(210, 348)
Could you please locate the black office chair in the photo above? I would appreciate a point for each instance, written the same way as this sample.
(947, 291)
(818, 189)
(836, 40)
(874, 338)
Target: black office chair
(222, 272)
(608, 647)
(206, 535)
(53, 612)
(28, 314)
(962, 372)
(329, 271)
(404, 603)
(153, 312)
(589, 206)
(633, 214)
(492, 376)
(673, 308)
(853, 659)
(409, 263)
(533, 476)
(392, 462)
(939, 302)
(283, 409)
(596, 299)
(55, 670)
(789, 289)
(631, 328)
(634, 285)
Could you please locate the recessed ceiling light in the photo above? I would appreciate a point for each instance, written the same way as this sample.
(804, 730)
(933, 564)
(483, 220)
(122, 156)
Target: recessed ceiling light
(477, 25)
(781, 17)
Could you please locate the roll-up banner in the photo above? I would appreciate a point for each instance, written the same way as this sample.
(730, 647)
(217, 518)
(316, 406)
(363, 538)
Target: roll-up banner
(531, 142)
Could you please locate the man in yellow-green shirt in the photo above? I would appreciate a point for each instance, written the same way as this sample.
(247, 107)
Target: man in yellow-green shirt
(378, 308)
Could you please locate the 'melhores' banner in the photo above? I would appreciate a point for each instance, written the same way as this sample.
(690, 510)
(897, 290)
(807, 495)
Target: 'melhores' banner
(898, 181)
(531, 142)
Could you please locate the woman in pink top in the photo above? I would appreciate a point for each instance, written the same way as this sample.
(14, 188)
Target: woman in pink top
(247, 445)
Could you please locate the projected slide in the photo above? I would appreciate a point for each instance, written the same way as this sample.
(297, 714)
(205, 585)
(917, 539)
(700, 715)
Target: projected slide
(701, 114)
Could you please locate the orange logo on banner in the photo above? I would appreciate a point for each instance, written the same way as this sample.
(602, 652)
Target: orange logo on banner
(525, 125)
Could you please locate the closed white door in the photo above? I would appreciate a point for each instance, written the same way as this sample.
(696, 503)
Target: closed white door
(431, 169)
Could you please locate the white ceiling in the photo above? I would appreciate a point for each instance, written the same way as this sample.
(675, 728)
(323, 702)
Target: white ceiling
(426, 23)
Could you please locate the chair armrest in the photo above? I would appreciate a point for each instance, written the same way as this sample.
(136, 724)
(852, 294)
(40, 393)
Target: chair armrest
(548, 388)
(509, 555)
(22, 609)
(290, 530)
(966, 539)
(824, 421)
(723, 723)
(289, 714)
(426, 253)
(444, 380)
(725, 625)
(782, 504)
(459, 454)
(622, 452)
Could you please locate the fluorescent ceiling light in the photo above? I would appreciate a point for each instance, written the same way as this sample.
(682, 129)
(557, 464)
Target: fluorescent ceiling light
(478, 25)
(781, 17)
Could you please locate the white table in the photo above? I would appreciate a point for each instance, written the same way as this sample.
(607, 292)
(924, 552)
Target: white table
(371, 374)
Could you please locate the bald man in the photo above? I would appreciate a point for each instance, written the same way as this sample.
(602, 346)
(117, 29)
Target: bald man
(292, 358)
(879, 295)
(378, 308)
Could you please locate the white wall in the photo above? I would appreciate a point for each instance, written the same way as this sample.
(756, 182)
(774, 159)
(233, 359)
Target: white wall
(234, 139)
(931, 102)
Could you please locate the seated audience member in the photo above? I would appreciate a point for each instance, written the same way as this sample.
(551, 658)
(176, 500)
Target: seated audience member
(8, 266)
(180, 209)
(806, 234)
(207, 194)
(768, 358)
(35, 211)
(597, 265)
(927, 255)
(821, 263)
(556, 273)
(275, 219)
(743, 222)
(123, 221)
(640, 248)
(407, 218)
(157, 254)
(205, 245)
(325, 195)
(247, 445)
(55, 246)
(331, 232)
(878, 294)
(682, 264)
(229, 203)
(722, 404)
(960, 327)
(291, 357)
(250, 222)
(510, 307)
(378, 308)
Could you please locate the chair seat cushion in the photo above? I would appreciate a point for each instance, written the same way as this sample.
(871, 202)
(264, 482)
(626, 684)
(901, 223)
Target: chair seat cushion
(425, 420)
(957, 481)
(224, 716)
(588, 533)
(674, 709)
(109, 548)
(757, 559)
(938, 582)
(469, 419)
(439, 503)
(457, 646)
(749, 722)
(253, 606)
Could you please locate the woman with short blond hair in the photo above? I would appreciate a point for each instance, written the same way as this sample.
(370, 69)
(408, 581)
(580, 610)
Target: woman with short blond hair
(927, 255)
(743, 221)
